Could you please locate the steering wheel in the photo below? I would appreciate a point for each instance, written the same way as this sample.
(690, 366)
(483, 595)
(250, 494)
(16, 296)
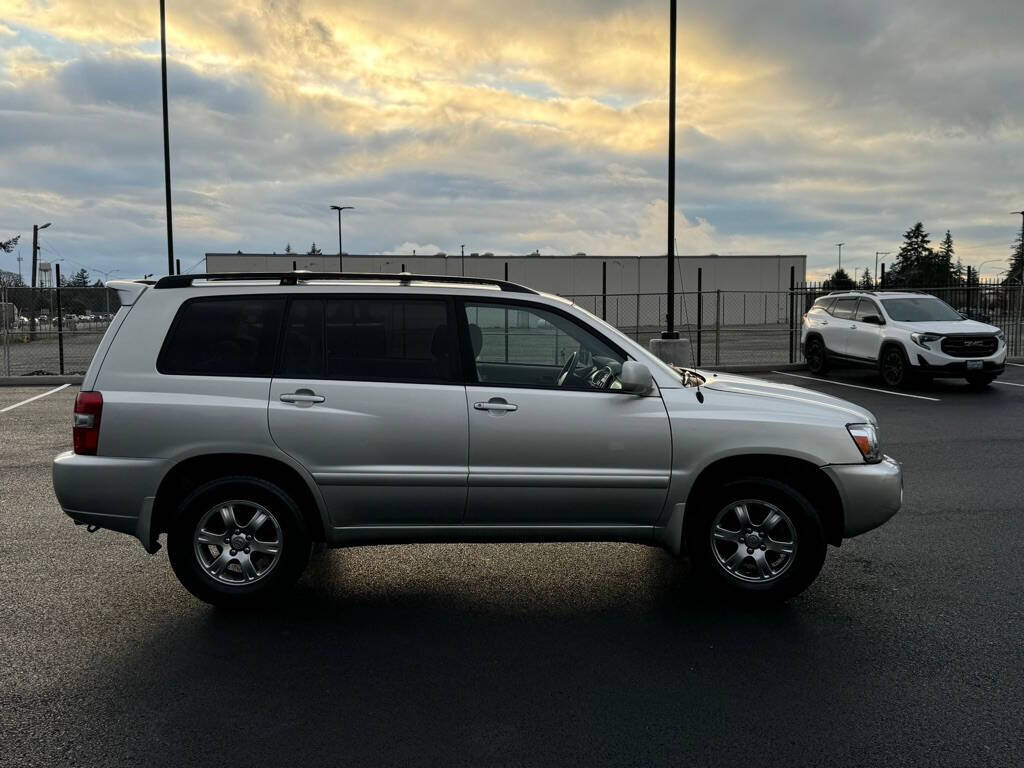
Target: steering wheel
(567, 368)
(602, 378)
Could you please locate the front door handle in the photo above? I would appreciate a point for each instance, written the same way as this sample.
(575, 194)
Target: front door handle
(302, 397)
(824, 322)
(496, 405)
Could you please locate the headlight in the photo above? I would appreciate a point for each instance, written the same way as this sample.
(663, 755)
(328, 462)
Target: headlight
(866, 438)
(924, 339)
(1001, 336)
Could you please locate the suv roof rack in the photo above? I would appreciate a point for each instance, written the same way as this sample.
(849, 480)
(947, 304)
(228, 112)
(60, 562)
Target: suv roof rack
(294, 278)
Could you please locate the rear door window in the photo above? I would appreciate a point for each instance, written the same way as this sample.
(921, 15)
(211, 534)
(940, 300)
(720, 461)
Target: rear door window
(224, 336)
(845, 308)
(865, 308)
(369, 339)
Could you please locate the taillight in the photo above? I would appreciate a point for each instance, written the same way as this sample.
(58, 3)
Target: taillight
(88, 409)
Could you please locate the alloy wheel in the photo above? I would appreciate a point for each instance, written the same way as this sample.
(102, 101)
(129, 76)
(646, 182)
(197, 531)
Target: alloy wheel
(238, 542)
(753, 540)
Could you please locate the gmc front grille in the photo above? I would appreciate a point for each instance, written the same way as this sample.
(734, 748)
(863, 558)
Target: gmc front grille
(969, 346)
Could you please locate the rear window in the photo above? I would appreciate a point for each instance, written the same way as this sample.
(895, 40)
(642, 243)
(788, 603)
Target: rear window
(223, 337)
(368, 339)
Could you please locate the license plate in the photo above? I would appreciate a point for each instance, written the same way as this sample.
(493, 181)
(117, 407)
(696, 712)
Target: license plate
(974, 365)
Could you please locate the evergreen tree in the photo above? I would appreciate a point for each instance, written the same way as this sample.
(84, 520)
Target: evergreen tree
(971, 279)
(943, 267)
(913, 258)
(288, 248)
(958, 272)
(838, 281)
(314, 251)
(8, 245)
(79, 280)
(865, 281)
(1016, 260)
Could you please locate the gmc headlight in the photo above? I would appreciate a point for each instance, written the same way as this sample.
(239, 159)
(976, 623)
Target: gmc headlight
(865, 436)
(1001, 336)
(924, 339)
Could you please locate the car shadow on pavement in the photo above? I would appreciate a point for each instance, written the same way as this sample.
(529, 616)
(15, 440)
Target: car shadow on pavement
(449, 658)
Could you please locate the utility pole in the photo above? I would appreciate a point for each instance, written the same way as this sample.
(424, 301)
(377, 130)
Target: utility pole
(463, 247)
(670, 331)
(840, 247)
(167, 142)
(877, 254)
(341, 253)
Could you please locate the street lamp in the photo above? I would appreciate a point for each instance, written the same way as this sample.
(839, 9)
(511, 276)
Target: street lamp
(670, 263)
(987, 261)
(840, 247)
(463, 247)
(341, 253)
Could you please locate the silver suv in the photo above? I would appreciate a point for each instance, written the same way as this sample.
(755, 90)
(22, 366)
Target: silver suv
(904, 334)
(249, 417)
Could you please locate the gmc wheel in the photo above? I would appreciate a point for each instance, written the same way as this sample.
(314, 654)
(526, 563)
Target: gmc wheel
(894, 367)
(816, 356)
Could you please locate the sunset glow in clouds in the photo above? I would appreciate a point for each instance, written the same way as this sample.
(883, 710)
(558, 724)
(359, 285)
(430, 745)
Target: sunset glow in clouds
(511, 126)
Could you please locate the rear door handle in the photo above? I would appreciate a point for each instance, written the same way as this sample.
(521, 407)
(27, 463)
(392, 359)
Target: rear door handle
(302, 397)
(496, 406)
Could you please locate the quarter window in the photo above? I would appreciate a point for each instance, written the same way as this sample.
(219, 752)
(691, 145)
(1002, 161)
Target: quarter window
(223, 337)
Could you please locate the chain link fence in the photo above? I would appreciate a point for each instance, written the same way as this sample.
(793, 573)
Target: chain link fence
(50, 330)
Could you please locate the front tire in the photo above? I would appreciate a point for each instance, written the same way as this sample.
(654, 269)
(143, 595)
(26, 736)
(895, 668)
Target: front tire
(238, 541)
(757, 540)
(894, 367)
(816, 356)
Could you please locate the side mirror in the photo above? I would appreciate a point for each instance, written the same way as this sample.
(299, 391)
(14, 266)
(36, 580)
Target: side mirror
(871, 319)
(636, 378)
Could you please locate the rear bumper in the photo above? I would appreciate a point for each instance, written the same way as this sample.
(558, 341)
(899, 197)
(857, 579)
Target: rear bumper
(109, 492)
(871, 493)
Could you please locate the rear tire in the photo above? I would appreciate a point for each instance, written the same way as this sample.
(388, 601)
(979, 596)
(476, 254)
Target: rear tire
(979, 380)
(816, 356)
(238, 541)
(756, 561)
(894, 367)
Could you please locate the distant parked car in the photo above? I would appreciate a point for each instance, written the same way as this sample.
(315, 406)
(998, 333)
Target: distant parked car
(902, 333)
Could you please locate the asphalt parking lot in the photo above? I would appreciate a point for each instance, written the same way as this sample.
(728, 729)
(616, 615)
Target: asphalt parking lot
(906, 651)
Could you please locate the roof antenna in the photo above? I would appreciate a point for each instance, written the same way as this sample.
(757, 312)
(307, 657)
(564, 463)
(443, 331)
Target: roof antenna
(696, 378)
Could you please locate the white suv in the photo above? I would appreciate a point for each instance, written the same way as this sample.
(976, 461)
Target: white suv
(903, 334)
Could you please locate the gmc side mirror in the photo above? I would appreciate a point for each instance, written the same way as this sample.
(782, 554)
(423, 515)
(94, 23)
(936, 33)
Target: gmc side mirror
(872, 320)
(636, 378)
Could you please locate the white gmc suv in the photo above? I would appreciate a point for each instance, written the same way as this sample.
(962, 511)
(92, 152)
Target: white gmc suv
(904, 334)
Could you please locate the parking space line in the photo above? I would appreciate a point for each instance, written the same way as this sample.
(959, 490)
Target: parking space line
(1016, 365)
(26, 402)
(1008, 383)
(858, 386)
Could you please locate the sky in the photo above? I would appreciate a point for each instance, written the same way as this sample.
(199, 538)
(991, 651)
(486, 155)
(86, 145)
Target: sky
(510, 127)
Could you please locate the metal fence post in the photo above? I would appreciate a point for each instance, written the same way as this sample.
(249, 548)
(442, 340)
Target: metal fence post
(637, 330)
(700, 310)
(718, 324)
(60, 322)
(604, 290)
(792, 315)
(6, 328)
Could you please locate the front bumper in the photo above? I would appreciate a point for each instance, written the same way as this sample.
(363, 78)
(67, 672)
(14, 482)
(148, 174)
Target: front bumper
(109, 492)
(935, 362)
(871, 493)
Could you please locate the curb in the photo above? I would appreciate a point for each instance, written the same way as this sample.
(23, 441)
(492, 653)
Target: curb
(39, 381)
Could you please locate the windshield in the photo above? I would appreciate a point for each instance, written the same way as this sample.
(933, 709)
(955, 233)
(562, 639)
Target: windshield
(919, 310)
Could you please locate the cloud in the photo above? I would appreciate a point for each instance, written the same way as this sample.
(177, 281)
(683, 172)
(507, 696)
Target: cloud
(512, 127)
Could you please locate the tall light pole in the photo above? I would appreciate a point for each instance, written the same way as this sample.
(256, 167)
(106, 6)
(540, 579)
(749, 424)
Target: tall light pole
(670, 331)
(167, 142)
(341, 253)
(840, 247)
(463, 260)
(35, 248)
(877, 254)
